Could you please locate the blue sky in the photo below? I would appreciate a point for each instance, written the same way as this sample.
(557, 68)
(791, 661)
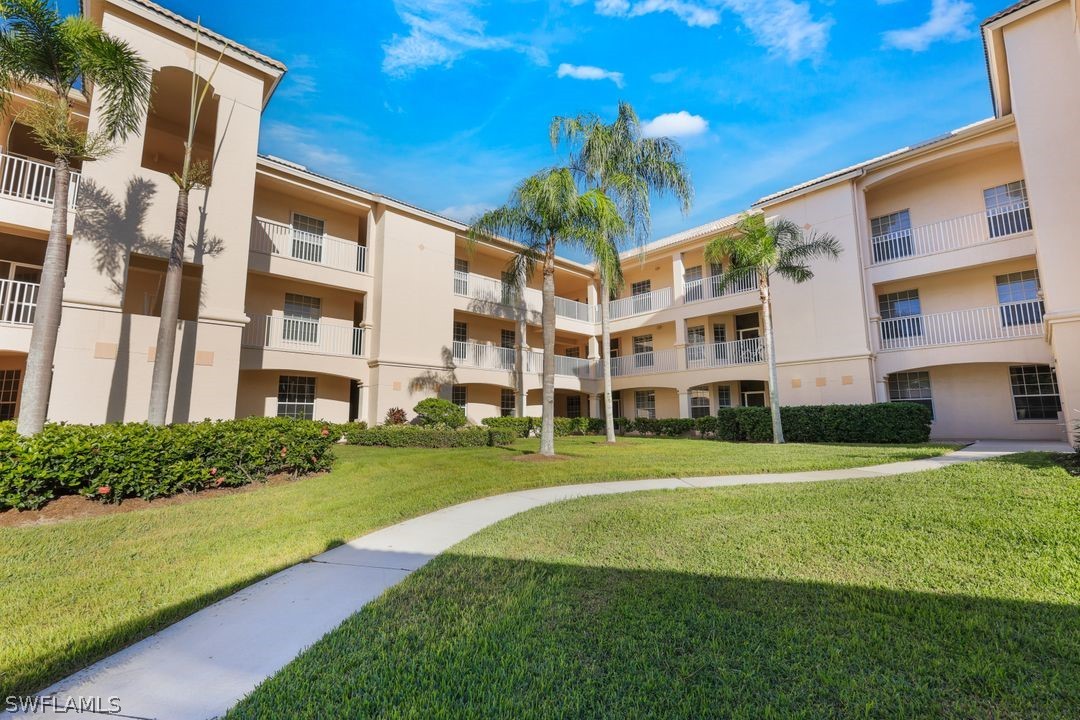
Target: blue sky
(446, 103)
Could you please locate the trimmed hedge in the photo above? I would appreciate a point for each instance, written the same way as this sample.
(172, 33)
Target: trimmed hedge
(526, 426)
(880, 423)
(416, 436)
(432, 412)
(117, 461)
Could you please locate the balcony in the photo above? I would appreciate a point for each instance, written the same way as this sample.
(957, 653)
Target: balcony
(18, 302)
(277, 332)
(645, 363)
(952, 234)
(710, 288)
(726, 354)
(495, 292)
(495, 357)
(639, 304)
(22, 178)
(1009, 321)
(273, 238)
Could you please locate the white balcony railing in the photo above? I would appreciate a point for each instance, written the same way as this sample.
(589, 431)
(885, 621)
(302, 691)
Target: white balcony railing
(646, 363)
(496, 292)
(481, 355)
(277, 332)
(33, 180)
(998, 322)
(274, 238)
(726, 354)
(574, 310)
(18, 302)
(710, 288)
(643, 303)
(952, 234)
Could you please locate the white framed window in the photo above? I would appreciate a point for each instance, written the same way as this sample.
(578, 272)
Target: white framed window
(573, 406)
(912, 387)
(301, 321)
(507, 339)
(461, 339)
(699, 404)
(461, 276)
(900, 314)
(640, 291)
(573, 352)
(307, 240)
(694, 287)
(723, 396)
(507, 403)
(9, 393)
(1007, 211)
(753, 393)
(890, 236)
(459, 395)
(643, 351)
(1018, 296)
(616, 405)
(695, 344)
(296, 397)
(645, 403)
(1035, 392)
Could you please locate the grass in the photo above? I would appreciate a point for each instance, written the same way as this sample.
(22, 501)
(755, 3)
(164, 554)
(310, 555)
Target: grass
(951, 594)
(74, 592)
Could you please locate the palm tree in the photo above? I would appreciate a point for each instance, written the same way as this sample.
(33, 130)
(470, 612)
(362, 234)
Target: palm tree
(193, 174)
(547, 211)
(629, 168)
(50, 57)
(777, 247)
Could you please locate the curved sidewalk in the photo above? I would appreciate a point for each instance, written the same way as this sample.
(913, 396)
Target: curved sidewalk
(204, 664)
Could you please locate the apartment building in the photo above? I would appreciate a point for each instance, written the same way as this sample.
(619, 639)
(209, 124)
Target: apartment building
(308, 297)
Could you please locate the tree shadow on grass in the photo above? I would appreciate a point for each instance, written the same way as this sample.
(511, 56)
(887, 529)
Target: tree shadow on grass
(483, 637)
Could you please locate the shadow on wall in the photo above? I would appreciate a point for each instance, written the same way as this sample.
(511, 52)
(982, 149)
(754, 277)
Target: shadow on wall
(432, 381)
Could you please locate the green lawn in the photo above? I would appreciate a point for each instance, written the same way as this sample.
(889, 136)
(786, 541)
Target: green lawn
(73, 592)
(947, 594)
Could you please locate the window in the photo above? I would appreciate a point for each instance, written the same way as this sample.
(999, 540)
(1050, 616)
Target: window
(1035, 392)
(643, 351)
(307, 240)
(301, 321)
(296, 397)
(911, 387)
(9, 393)
(616, 404)
(716, 288)
(507, 403)
(641, 293)
(748, 326)
(695, 339)
(719, 337)
(508, 288)
(723, 396)
(572, 352)
(1018, 295)
(643, 287)
(753, 393)
(694, 288)
(573, 406)
(1007, 210)
(461, 276)
(459, 395)
(645, 403)
(18, 299)
(891, 236)
(699, 403)
(461, 338)
(507, 339)
(900, 315)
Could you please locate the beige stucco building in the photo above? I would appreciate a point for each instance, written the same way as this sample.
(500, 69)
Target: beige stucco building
(306, 296)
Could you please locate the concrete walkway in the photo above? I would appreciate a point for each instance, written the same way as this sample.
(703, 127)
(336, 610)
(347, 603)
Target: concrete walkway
(204, 664)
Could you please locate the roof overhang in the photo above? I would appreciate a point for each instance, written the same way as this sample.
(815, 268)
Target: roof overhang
(997, 61)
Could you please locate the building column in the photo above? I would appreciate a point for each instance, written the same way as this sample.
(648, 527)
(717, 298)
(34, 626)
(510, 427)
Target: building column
(597, 402)
(684, 404)
(678, 278)
(594, 348)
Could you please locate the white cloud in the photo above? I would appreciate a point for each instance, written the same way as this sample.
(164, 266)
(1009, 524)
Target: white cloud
(589, 72)
(303, 147)
(441, 31)
(465, 213)
(675, 125)
(668, 76)
(949, 20)
(784, 27)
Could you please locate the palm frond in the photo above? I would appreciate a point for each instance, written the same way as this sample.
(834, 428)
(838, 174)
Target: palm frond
(119, 74)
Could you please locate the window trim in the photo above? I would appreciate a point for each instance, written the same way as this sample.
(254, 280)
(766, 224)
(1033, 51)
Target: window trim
(927, 401)
(283, 388)
(1057, 394)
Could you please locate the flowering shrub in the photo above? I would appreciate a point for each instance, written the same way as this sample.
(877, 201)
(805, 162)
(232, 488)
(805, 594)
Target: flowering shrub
(396, 416)
(117, 461)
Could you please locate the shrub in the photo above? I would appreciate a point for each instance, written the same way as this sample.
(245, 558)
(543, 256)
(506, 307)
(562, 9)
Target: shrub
(571, 426)
(396, 416)
(883, 423)
(526, 426)
(436, 411)
(521, 426)
(668, 427)
(415, 436)
(347, 431)
(117, 461)
(501, 436)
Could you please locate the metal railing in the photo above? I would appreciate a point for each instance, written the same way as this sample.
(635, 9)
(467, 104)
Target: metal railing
(952, 234)
(711, 288)
(481, 355)
(33, 180)
(277, 332)
(1007, 321)
(489, 290)
(274, 238)
(638, 304)
(725, 354)
(574, 310)
(18, 302)
(656, 361)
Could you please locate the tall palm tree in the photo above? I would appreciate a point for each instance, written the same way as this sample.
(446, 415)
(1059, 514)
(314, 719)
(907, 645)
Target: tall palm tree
(193, 174)
(618, 160)
(776, 247)
(49, 57)
(547, 211)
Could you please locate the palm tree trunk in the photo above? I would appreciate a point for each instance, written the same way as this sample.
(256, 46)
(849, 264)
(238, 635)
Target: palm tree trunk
(547, 420)
(770, 356)
(50, 300)
(161, 381)
(605, 358)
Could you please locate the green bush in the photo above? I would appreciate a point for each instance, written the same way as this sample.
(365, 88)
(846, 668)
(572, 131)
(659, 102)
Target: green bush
(521, 426)
(881, 423)
(526, 426)
(436, 411)
(668, 427)
(502, 436)
(347, 431)
(396, 416)
(401, 436)
(118, 461)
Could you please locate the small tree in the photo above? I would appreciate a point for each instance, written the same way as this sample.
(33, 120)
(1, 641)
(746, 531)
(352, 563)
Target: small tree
(50, 57)
(436, 411)
(778, 247)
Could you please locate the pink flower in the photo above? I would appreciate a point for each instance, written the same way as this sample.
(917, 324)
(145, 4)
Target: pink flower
(104, 490)
(325, 432)
(284, 451)
(213, 471)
